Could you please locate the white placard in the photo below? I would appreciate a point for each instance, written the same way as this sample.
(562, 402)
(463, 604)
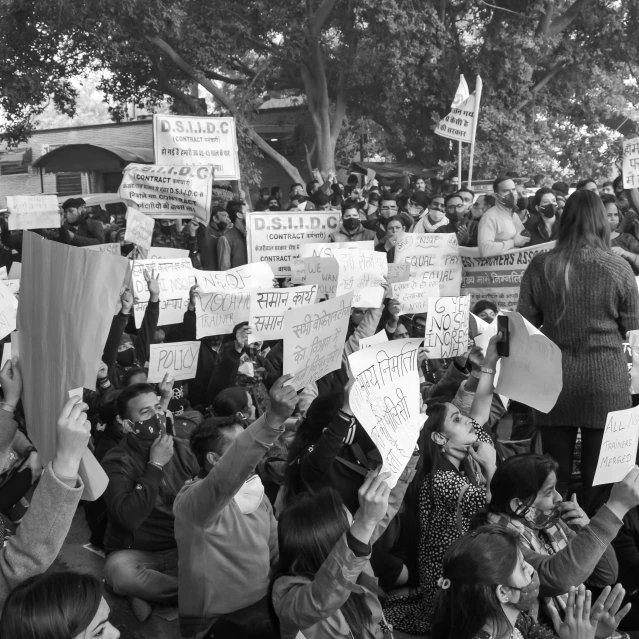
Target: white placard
(171, 311)
(139, 228)
(532, 373)
(268, 307)
(413, 295)
(277, 237)
(315, 337)
(15, 271)
(385, 399)
(630, 166)
(166, 253)
(363, 272)
(33, 212)
(169, 192)
(241, 278)
(218, 311)
(178, 359)
(447, 326)
(8, 311)
(325, 249)
(176, 278)
(373, 340)
(109, 247)
(618, 453)
(323, 271)
(190, 140)
(398, 273)
(6, 354)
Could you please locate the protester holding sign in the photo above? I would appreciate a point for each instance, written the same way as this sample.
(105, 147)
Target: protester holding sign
(585, 300)
(78, 229)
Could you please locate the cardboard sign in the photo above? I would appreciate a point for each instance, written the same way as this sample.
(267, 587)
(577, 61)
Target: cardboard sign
(189, 140)
(277, 237)
(385, 399)
(618, 451)
(178, 359)
(325, 249)
(363, 272)
(218, 311)
(630, 163)
(268, 307)
(497, 278)
(447, 326)
(315, 337)
(139, 228)
(33, 212)
(169, 192)
(532, 373)
(241, 278)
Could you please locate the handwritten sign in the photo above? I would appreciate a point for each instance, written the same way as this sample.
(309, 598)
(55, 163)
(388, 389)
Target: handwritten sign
(399, 273)
(325, 249)
(447, 326)
(363, 272)
(169, 192)
(633, 346)
(268, 307)
(189, 140)
(497, 278)
(112, 247)
(139, 228)
(178, 359)
(171, 311)
(532, 373)
(315, 337)
(618, 451)
(13, 286)
(33, 212)
(630, 163)
(165, 253)
(176, 278)
(8, 311)
(459, 123)
(385, 399)
(277, 237)
(241, 278)
(413, 295)
(218, 311)
(322, 271)
(433, 257)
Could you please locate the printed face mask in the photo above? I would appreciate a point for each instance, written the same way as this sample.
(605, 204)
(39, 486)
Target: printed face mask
(149, 428)
(249, 497)
(528, 595)
(538, 519)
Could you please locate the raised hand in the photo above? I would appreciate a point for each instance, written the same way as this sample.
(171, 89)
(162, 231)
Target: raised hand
(283, 401)
(73, 433)
(607, 609)
(373, 505)
(126, 299)
(153, 284)
(11, 380)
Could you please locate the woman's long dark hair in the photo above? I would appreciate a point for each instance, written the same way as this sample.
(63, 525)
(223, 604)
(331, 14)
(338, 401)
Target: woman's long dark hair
(308, 530)
(320, 414)
(518, 477)
(475, 564)
(54, 606)
(583, 224)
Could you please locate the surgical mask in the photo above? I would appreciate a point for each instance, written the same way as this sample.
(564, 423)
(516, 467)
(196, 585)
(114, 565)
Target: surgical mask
(250, 496)
(507, 200)
(351, 223)
(528, 595)
(538, 519)
(149, 428)
(436, 216)
(548, 210)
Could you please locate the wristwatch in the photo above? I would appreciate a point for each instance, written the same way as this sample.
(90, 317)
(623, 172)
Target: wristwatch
(157, 465)
(490, 371)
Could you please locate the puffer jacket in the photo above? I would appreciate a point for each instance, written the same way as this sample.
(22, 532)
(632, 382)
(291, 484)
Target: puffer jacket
(361, 234)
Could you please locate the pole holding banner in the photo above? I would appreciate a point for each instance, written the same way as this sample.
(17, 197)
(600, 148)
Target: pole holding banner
(459, 163)
(478, 88)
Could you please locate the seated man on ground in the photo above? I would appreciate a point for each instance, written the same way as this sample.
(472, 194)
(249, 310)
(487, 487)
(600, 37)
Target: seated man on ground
(146, 471)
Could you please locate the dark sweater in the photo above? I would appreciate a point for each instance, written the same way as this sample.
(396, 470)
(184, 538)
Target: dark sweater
(231, 250)
(603, 304)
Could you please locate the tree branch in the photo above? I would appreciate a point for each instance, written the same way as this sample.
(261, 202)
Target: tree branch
(225, 101)
(546, 18)
(211, 75)
(309, 155)
(164, 86)
(541, 84)
(567, 17)
(321, 16)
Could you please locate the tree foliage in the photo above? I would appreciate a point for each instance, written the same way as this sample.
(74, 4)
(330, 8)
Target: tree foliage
(558, 74)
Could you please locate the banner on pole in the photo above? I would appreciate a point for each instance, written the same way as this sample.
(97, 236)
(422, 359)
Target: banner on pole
(459, 123)
(630, 165)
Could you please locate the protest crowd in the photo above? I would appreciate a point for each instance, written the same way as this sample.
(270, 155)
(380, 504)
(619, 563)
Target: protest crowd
(418, 420)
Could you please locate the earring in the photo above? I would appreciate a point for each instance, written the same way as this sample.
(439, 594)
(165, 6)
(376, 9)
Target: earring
(506, 598)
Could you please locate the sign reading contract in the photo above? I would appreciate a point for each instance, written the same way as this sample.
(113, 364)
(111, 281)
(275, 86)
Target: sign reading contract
(33, 212)
(630, 165)
(276, 238)
(185, 140)
(169, 192)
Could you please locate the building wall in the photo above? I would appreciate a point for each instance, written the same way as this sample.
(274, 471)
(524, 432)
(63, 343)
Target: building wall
(138, 134)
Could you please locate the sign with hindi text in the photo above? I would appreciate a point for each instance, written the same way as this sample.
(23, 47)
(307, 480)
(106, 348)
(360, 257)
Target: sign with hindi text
(363, 272)
(325, 249)
(33, 212)
(630, 164)
(459, 123)
(190, 140)
(8, 310)
(139, 228)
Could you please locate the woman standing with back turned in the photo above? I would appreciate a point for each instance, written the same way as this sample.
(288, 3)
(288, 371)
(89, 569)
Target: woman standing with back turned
(585, 299)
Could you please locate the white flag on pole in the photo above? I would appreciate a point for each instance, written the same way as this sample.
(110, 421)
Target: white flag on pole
(462, 93)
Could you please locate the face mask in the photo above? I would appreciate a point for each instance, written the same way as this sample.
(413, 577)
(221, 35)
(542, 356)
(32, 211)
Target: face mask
(249, 497)
(436, 216)
(528, 595)
(507, 200)
(538, 519)
(126, 358)
(149, 428)
(415, 212)
(548, 210)
(351, 223)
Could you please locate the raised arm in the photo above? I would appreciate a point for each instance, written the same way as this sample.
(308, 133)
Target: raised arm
(150, 319)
